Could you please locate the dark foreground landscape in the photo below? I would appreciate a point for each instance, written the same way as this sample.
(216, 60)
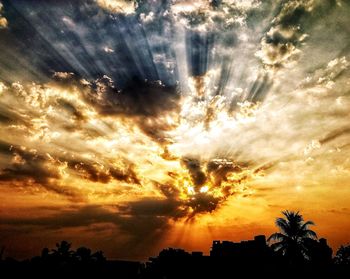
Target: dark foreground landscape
(294, 252)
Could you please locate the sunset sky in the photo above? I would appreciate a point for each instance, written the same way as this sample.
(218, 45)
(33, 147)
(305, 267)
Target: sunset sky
(131, 126)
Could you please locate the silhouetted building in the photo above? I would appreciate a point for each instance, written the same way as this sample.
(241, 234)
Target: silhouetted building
(177, 263)
(225, 258)
(319, 252)
(251, 249)
(197, 254)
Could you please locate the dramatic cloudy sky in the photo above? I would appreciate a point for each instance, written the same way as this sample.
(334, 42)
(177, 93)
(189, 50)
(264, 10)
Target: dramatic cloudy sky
(128, 126)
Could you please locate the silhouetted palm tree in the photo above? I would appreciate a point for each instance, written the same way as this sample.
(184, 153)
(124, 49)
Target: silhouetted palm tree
(290, 241)
(63, 251)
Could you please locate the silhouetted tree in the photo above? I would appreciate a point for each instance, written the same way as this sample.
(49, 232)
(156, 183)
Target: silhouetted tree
(83, 254)
(2, 252)
(63, 251)
(98, 256)
(343, 255)
(294, 232)
(45, 255)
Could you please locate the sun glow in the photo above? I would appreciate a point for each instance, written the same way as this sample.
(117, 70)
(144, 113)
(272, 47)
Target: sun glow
(204, 189)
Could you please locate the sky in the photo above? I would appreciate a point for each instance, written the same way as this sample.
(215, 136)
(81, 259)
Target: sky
(132, 126)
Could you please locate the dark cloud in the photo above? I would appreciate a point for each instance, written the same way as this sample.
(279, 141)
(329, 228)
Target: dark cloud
(280, 43)
(103, 174)
(194, 168)
(219, 169)
(71, 109)
(215, 175)
(203, 203)
(74, 217)
(143, 231)
(127, 175)
(138, 98)
(31, 169)
(5, 119)
(168, 190)
(199, 51)
(9, 116)
(334, 135)
(146, 103)
(153, 207)
(292, 12)
(75, 39)
(292, 22)
(5, 148)
(176, 207)
(29, 166)
(89, 171)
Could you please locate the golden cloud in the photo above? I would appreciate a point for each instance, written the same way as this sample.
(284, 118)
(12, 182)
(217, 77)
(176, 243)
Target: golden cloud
(3, 20)
(118, 6)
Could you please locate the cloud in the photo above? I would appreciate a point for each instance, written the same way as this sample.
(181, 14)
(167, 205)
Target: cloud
(204, 186)
(335, 134)
(3, 20)
(197, 175)
(141, 222)
(279, 46)
(71, 109)
(152, 207)
(31, 168)
(277, 49)
(219, 169)
(118, 6)
(137, 98)
(99, 173)
(290, 29)
(70, 218)
(209, 15)
(149, 104)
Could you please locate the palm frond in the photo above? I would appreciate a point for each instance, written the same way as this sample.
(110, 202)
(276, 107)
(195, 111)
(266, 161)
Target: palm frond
(293, 216)
(278, 246)
(283, 225)
(307, 224)
(310, 234)
(277, 237)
